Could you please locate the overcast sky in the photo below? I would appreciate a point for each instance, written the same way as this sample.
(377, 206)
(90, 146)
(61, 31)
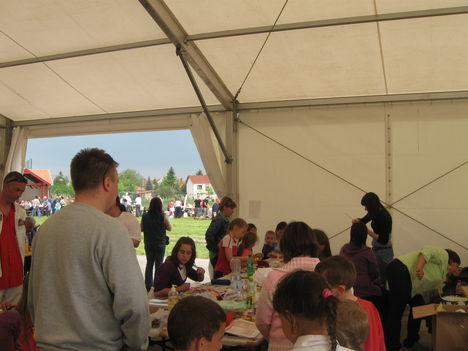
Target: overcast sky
(150, 153)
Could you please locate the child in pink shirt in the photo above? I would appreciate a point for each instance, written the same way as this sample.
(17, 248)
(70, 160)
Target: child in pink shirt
(299, 246)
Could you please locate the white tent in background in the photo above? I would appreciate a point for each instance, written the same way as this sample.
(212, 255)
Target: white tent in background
(316, 102)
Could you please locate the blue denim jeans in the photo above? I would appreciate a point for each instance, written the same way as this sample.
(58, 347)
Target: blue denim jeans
(154, 258)
(384, 257)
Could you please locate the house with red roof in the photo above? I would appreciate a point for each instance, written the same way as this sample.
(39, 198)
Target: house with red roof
(199, 185)
(39, 181)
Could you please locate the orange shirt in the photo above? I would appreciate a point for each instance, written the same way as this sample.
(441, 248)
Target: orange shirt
(375, 341)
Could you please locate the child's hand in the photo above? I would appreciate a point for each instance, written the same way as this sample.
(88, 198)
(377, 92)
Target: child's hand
(200, 271)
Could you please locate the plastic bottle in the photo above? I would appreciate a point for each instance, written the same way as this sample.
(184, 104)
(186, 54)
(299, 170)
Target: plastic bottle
(172, 298)
(250, 298)
(250, 267)
(236, 283)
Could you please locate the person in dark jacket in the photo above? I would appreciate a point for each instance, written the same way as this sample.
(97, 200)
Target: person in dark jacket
(154, 224)
(218, 228)
(177, 268)
(367, 284)
(381, 224)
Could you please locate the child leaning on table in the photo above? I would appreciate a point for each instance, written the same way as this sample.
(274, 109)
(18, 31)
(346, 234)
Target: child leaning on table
(340, 274)
(307, 309)
(177, 268)
(196, 324)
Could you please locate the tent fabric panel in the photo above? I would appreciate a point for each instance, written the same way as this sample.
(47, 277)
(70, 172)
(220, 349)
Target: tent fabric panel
(389, 6)
(10, 50)
(46, 27)
(290, 188)
(229, 15)
(131, 80)
(309, 63)
(17, 152)
(138, 79)
(426, 54)
(207, 147)
(41, 92)
(427, 141)
(121, 125)
(308, 193)
(14, 106)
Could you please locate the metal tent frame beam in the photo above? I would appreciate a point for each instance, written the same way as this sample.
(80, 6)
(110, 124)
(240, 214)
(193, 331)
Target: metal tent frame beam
(247, 31)
(373, 99)
(159, 11)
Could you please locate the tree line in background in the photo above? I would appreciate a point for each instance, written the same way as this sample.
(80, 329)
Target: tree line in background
(131, 181)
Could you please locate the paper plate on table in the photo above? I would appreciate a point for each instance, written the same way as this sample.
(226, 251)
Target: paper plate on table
(455, 300)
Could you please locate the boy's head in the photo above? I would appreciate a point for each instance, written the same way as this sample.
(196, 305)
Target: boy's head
(227, 206)
(252, 228)
(352, 325)
(270, 237)
(339, 272)
(454, 262)
(238, 228)
(196, 323)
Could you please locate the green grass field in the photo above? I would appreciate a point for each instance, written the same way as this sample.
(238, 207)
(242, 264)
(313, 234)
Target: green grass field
(194, 228)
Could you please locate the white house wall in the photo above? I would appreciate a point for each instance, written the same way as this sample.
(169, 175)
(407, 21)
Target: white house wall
(426, 141)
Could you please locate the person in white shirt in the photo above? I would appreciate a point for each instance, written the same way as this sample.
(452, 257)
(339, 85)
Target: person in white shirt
(128, 220)
(138, 205)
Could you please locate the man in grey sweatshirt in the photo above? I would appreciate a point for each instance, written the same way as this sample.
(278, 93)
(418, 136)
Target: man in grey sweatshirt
(86, 289)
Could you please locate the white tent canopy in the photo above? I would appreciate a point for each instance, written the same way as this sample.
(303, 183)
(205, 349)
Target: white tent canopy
(316, 101)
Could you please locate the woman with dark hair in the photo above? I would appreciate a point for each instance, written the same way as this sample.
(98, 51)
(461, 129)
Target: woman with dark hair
(154, 224)
(218, 228)
(177, 268)
(367, 281)
(381, 224)
(300, 249)
(322, 239)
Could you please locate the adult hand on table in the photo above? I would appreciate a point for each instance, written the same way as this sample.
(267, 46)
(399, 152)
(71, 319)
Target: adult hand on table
(184, 287)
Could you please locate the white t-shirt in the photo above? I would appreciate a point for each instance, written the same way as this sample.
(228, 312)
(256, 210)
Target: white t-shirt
(131, 223)
(138, 201)
(315, 343)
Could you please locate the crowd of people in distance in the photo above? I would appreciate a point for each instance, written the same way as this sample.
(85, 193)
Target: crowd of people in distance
(46, 207)
(79, 287)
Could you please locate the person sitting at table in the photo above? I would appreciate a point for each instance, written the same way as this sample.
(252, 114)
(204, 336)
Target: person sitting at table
(300, 249)
(196, 324)
(270, 244)
(246, 246)
(228, 247)
(177, 267)
(307, 309)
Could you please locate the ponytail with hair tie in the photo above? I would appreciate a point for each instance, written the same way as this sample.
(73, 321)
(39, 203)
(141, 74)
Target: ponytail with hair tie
(326, 293)
(331, 304)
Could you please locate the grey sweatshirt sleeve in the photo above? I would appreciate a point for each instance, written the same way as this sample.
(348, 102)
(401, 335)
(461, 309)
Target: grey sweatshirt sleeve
(125, 281)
